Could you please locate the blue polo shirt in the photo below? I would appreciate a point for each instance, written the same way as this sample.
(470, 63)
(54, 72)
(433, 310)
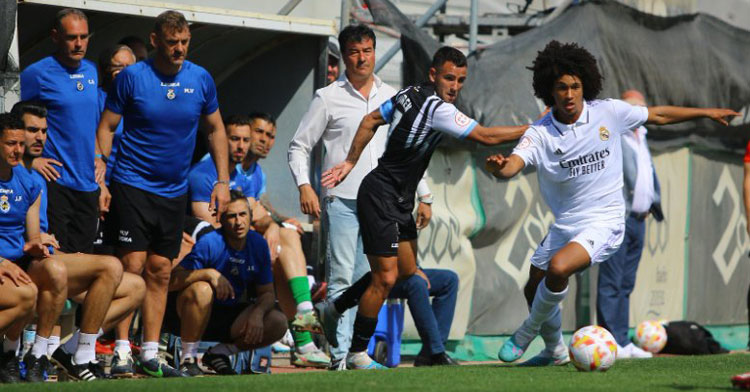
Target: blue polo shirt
(256, 178)
(115, 139)
(16, 196)
(203, 176)
(243, 268)
(161, 114)
(73, 103)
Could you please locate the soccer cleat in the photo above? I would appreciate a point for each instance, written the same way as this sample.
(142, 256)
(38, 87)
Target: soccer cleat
(442, 359)
(158, 369)
(511, 351)
(329, 319)
(190, 366)
(545, 358)
(122, 365)
(306, 321)
(35, 367)
(635, 352)
(362, 361)
(84, 372)
(219, 363)
(10, 371)
(741, 381)
(315, 359)
(337, 365)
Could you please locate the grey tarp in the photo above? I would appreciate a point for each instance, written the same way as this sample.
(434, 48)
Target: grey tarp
(692, 60)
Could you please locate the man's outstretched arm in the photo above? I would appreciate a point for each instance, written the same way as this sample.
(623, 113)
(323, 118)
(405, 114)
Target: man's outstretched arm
(502, 167)
(663, 115)
(495, 135)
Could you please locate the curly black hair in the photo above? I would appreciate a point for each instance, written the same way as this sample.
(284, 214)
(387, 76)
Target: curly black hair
(556, 60)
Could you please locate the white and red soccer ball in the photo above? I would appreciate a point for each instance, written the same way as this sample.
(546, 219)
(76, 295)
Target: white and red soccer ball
(651, 336)
(593, 348)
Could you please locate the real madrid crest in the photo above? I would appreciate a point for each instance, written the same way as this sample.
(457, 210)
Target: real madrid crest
(4, 205)
(170, 94)
(79, 86)
(603, 133)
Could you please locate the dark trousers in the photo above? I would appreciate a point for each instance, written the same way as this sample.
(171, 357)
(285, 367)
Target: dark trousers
(434, 321)
(617, 279)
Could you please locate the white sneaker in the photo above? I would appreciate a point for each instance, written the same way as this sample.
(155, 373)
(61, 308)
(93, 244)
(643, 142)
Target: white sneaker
(637, 352)
(623, 352)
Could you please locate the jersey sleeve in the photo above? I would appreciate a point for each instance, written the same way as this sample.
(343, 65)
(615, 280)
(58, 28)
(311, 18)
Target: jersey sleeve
(211, 103)
(29, 84)
(629, 116)
(120, 92)
(448, 119)
(529, 147)
(200, 185)
(387, 109)
(199, 257)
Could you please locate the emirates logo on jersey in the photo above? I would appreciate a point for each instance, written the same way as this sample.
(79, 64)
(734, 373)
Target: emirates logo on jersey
(603, 134)
(462, 120)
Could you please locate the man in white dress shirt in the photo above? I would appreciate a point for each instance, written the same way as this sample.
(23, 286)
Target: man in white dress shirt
(334, 116)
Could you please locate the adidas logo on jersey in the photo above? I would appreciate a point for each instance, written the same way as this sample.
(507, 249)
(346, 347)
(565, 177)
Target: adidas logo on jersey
(559, 152)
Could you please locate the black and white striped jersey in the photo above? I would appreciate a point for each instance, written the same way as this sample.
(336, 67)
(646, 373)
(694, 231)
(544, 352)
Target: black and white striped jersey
(418, 119)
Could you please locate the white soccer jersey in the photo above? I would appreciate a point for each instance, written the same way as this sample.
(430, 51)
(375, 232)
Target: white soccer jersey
(579, 165)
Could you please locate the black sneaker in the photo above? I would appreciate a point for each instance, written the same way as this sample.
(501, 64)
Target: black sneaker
(51, 372)
(35, 367)
(85, 372)
(441, 359)
(219, 363)
(190, 367)
(156, 368)
(10, 371)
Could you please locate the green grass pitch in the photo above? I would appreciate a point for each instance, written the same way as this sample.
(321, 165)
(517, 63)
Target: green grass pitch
(704, 373)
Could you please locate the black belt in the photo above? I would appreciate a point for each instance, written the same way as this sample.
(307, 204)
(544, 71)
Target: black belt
(639, 215)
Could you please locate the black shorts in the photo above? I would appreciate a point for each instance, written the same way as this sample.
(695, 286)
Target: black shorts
(24, 262)
(73, 217)
(140, 220)
(219, 328)
(385, 218)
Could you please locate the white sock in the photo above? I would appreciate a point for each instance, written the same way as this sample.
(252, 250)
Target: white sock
(225, 349)
(189, 350)
(122, 345)
(40, 346)
(545, 304)
(12, 345)
(306, 348)
(551, 332)
(71, 345)
(149, 350)
(86, 350)
(54, 343)
(304, 306)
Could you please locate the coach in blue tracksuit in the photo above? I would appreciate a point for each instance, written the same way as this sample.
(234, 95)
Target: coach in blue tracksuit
(617, 275)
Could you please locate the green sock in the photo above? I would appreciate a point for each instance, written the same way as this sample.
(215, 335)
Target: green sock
(300, 289)
(301, 338)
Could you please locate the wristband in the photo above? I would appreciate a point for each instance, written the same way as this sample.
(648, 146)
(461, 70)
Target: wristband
(102, 157)
(221, 182)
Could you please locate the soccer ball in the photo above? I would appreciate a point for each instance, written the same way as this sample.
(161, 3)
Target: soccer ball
(651, 336)
(593, 348)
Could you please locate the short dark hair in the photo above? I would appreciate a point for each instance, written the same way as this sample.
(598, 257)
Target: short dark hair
(10, 121)
(170, 21)
(448, 53)
(557, 60)
(355, 33)
(268, 117)
(237, 119)
(235, 195)
(67, 12)
(32, 107)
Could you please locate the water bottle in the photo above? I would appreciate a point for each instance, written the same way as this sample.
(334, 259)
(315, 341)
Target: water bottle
(29, 335)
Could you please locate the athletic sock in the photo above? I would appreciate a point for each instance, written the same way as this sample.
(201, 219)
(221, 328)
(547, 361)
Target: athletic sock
(54, 343)
(224, 349)
(301, 292)
(544, 306)
(86, 350)
(551, 332)
(301, 338)
(149, 350)
(12, 345)
(122, 345)
(189, 350)
(40, 346)
(350, 298)
(364, 328)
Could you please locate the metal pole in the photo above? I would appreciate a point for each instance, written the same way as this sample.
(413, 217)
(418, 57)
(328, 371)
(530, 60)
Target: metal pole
(379, 64)
(473, 25)
(345, 14)
(289, 6)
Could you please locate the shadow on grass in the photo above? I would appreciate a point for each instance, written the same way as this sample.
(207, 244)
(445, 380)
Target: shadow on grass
(679, 387)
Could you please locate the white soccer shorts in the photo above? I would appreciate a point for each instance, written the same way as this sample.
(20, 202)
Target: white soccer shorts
(601, 241)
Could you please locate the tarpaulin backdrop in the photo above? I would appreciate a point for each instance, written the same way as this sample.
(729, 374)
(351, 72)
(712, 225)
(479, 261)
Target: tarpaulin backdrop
(695, 264)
